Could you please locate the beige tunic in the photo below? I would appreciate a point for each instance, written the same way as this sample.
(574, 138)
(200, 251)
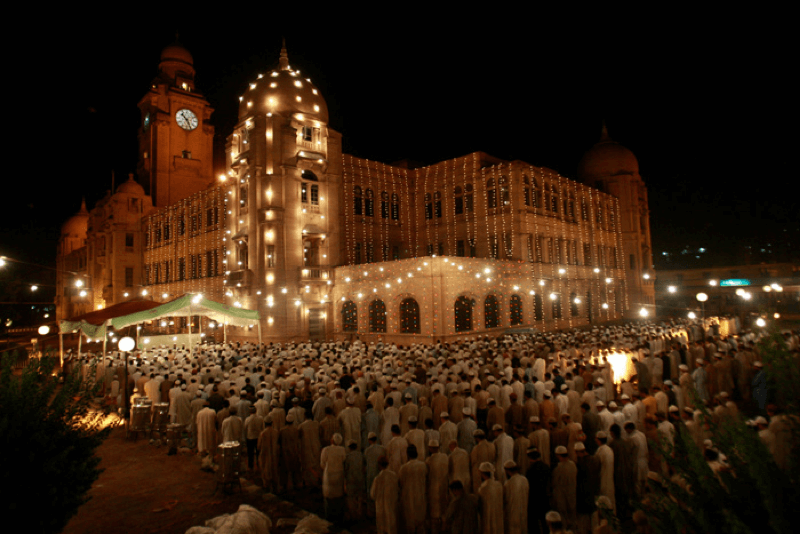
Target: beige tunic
(385, 492)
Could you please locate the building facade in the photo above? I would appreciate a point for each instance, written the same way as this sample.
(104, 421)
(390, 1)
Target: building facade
(328, 245)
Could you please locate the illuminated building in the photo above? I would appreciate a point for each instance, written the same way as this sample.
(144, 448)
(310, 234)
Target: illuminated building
(326, 244)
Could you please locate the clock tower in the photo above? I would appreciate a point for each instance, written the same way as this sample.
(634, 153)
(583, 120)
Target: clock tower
(175, 137)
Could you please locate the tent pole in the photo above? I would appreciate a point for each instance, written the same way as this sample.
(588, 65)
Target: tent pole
(189, 322)
(80, 339)
(259, 331)
(224, 332)
(61, 349)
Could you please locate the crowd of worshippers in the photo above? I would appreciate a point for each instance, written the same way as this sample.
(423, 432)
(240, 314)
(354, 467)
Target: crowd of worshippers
(499, 435)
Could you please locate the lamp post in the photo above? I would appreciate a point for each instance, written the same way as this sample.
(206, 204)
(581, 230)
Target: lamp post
(126, 344)
(702, 298)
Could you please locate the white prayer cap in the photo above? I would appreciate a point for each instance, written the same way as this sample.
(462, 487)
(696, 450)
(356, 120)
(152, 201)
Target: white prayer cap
(497, 427)
(602, 435)
(580, 446)
(612, 404)
(433, 443)
(486, 467)
(552, 517)
(510, 464)
(599, 403)
(466, 410)
(534, 419)
(337, 439)
(561, 449)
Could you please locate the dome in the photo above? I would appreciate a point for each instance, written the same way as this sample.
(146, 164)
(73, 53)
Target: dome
(607, 158)
(131, 187)
(176, 60)
(283, 91)
(78, 224)
(176, 52)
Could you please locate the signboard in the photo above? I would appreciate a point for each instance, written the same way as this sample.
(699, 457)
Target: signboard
(734, 282)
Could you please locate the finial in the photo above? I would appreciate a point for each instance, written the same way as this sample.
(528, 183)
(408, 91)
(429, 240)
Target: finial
(604, 137)
(83, 206)
(284, 61)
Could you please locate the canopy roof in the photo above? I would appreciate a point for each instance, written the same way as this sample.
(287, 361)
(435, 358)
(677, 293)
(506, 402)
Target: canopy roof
(191, 304)
(93, 323)
(124, 314)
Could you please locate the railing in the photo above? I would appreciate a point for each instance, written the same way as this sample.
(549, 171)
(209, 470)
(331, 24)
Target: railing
(311, 274)
(243, 278)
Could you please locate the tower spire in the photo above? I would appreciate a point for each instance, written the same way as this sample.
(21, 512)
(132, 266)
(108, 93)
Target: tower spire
(604, 137)
(284, 61)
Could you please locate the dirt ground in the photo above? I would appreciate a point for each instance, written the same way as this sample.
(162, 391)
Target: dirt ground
(143, 489)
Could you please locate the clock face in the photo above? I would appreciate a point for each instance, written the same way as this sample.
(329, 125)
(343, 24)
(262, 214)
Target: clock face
(186, 119)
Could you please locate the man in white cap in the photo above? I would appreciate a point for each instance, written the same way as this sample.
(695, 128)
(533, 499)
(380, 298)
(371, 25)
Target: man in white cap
(458, 466)
(350, 422)
(332, 460)
(466, 430)
(504, 451)
(447, 431)
(606, 456)
(515, 500)
(484, 451)
(438, 468)
(565, 479)
(385, 491)
(413, 502)
(490, 493)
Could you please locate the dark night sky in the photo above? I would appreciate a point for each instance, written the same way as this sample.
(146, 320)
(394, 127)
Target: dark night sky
(708, 112)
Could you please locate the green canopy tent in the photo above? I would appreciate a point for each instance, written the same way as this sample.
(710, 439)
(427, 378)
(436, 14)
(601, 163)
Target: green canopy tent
(192, 304)
(93, 324)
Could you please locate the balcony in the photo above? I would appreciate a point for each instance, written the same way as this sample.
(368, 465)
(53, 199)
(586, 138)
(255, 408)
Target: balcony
(243, 278)
(315, 274)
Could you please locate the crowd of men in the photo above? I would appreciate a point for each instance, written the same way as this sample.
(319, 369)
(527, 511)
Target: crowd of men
(507, 435)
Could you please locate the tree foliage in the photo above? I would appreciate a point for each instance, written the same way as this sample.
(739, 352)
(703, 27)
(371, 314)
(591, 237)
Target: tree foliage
(751, 494)
(49, 434)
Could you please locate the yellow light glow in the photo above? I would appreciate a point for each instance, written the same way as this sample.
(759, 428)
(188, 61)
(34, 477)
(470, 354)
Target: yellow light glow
(270, 278)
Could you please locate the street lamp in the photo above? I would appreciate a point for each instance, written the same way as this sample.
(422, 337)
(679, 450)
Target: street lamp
(702, 298)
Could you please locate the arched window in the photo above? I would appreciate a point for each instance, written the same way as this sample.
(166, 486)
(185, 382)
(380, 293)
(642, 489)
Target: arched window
(556, 300)
(526, 190)
(384, 205)
(314, 194)
(516, 310)
(538, 307)
(573, 305)
(357, 200)
(554, 199)
(611, 221)
(349, 317)
(491, 312)
(463, 314)
(308, 175)
(428, 206)
(491, 194)
(536, 193)
(468, 205)
(505, 196)
(458, 194)
(395, 207)
(377, 316)
(409, 317)
(437, 201)
(369, 203)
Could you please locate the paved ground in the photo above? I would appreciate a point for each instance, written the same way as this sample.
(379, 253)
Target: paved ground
(145, 490)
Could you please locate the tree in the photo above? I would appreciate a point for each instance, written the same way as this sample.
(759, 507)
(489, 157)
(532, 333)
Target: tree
(49, 434)
(751, 494)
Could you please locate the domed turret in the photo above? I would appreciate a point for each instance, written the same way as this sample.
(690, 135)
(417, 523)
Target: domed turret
(77, 225)
(131, 187)
(606, 159)
(283, 91)
(175, 61)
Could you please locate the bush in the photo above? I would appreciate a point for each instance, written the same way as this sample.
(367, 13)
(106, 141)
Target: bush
(751, 494)
(49, 436)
